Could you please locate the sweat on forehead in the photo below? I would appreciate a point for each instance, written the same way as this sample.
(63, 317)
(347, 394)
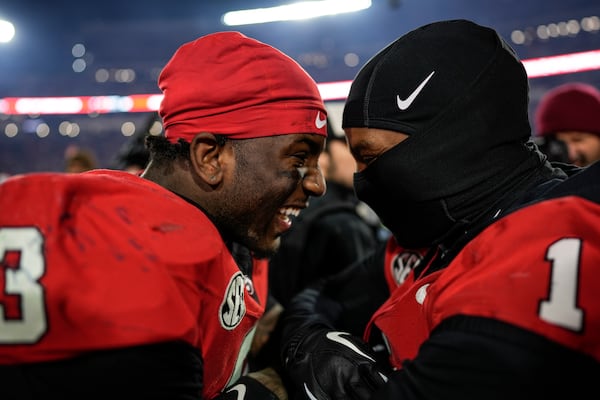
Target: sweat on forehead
(227, 83)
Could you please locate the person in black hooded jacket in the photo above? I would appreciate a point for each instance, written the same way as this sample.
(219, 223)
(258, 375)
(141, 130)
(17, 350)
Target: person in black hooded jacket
(503, 303)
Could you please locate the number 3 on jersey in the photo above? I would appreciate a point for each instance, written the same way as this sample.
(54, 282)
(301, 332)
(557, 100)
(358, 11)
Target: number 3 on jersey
(22, 311)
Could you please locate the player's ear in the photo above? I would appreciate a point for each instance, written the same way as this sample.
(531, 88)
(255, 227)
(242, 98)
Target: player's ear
(206, 156)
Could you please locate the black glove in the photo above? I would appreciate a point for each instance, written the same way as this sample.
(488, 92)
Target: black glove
(326, 365)
(247, 388)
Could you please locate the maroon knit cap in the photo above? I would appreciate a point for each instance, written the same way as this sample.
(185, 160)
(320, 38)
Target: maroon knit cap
(569, 107)
(229, 84)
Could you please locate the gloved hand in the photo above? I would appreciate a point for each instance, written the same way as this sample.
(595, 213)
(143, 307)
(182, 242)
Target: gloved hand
(328, 365)
(264, 385)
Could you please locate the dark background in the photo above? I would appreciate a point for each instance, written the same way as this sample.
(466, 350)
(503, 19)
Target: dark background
(143, 34)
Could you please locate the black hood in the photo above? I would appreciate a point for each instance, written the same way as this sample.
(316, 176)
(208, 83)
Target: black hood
(460, 92)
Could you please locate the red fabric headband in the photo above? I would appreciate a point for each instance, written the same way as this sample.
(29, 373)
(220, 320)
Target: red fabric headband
(226, 83)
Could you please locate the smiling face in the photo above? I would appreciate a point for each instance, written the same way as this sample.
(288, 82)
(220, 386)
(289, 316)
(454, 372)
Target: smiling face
(265, 181)
(583, 147)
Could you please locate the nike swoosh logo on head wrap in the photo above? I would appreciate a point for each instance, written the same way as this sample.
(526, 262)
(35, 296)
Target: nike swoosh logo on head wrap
(404, 104)
(319, 123)
(241, 391)
(336, 337)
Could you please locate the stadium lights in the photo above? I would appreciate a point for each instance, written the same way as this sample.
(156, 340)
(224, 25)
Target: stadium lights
(535, 67)
(294, 11)
(7, 31)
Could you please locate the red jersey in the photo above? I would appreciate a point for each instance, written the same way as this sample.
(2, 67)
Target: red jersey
(549, 286)
(106, 259)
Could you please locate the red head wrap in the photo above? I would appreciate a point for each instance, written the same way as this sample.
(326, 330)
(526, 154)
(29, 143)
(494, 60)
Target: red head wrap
(226, 83)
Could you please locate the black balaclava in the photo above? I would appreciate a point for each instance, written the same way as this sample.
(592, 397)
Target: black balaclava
(461, 94)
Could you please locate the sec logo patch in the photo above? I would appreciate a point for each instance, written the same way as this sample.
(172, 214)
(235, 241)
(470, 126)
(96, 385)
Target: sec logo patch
(233, 307)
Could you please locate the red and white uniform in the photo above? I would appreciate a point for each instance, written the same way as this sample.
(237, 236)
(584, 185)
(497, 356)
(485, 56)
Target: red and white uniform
(549, 286)
(105, 259)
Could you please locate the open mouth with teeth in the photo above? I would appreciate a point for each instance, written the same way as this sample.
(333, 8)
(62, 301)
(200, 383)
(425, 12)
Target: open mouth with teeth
(287, 215)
